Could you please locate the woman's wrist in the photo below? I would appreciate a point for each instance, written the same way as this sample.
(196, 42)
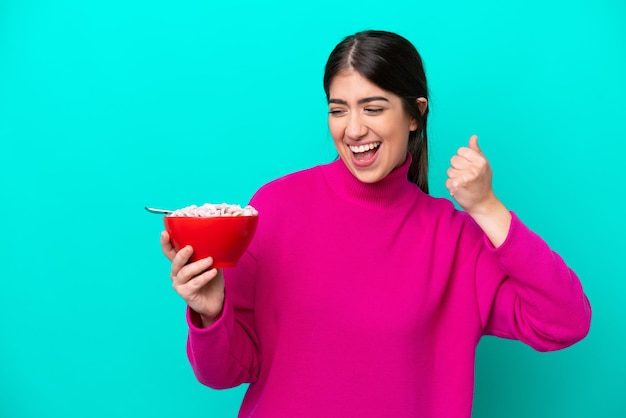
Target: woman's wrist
(207, 320)
(494, 219)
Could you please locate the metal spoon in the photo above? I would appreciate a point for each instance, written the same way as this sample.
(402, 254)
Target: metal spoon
(158, 211)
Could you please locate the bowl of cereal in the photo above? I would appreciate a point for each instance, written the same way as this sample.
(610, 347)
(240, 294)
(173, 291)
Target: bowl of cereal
(222, 231)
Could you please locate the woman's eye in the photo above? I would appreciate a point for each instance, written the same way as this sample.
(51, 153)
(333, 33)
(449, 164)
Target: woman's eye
(373, 110)
(336, 112)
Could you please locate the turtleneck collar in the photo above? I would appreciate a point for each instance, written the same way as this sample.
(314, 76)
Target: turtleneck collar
(392, 190)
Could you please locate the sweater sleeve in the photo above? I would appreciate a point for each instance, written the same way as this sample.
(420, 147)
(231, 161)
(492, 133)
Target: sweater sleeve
(529, 293)
(226, 354)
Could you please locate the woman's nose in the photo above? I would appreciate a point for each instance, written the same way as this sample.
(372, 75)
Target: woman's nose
(355, 128)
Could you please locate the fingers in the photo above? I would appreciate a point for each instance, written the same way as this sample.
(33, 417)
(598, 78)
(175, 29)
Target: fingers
(182, 272)
(473, 143)
(195, 283)
(180, 264)
(469, 158)
(468, 154)
(181, 258)
(466, 167)
(454, 173)
(452, 186)
(166, 246)
(459, 162)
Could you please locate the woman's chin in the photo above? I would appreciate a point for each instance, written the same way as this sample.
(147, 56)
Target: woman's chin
(366, 175)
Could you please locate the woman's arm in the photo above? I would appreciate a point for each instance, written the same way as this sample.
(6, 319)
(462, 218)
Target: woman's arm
(224, 352)
(527, 292)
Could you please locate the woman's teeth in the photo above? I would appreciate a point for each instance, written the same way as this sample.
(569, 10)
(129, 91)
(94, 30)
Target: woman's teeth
(362, 148)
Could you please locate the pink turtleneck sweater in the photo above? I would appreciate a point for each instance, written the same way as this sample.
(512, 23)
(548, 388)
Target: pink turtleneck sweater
(368, 300)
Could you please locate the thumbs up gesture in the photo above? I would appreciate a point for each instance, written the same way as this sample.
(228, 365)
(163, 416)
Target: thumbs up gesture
(469, 178)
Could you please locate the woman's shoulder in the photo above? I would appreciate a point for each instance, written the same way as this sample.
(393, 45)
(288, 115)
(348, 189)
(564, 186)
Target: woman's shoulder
(438, 206)
(444, 213)
(288, 186)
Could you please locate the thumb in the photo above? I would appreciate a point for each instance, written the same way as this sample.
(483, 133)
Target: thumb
(473, 143)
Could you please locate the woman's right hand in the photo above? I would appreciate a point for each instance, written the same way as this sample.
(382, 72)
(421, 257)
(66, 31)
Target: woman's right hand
(201, 286)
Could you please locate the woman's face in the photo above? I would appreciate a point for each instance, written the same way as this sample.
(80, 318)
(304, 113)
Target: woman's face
(369, 126)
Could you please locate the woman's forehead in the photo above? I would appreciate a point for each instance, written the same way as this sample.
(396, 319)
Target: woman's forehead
(350, 84)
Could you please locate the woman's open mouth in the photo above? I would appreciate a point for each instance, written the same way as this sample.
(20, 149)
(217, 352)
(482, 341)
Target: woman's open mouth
(364, 155)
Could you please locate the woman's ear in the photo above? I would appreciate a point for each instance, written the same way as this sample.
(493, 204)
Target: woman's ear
(422, 104)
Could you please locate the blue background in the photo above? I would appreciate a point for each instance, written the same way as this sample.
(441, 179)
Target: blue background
(107, 106)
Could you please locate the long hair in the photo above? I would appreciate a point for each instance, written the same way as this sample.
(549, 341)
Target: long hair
(393, 64)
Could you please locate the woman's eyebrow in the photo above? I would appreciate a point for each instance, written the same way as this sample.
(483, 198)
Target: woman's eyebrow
(361, 101)
(372, 99)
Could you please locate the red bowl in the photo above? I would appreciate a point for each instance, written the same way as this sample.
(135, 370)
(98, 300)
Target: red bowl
(225, 238)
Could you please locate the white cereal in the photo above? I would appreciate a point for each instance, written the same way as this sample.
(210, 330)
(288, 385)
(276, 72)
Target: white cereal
(209, 210)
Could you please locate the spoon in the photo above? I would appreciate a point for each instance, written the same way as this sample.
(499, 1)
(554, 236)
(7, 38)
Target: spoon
(159, 211)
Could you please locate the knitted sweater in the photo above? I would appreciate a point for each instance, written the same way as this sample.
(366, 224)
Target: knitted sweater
(368, 300)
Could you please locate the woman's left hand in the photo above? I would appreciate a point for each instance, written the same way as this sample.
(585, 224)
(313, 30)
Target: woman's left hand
(469, 183)
(469, 178)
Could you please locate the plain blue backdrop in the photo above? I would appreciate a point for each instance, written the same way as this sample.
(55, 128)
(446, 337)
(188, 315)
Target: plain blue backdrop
(107, 106)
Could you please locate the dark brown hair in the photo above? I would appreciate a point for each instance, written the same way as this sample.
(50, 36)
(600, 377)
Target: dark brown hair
(393, 64)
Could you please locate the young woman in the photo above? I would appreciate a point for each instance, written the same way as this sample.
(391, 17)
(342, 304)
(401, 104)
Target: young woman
(365, 296)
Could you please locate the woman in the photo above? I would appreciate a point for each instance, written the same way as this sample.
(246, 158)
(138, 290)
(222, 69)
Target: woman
(365, 296)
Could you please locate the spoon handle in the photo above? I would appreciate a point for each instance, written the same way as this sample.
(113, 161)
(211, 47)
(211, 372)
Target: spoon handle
(159, 211)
